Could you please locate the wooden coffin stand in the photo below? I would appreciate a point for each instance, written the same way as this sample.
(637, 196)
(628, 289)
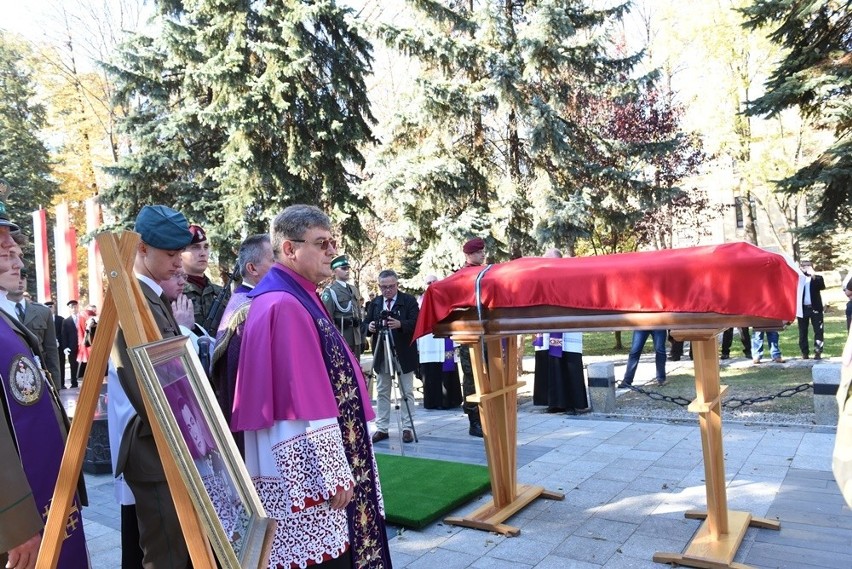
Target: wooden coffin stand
(495, 368)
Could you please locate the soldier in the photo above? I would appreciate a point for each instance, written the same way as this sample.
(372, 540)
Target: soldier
(343, 302)
(198, 288)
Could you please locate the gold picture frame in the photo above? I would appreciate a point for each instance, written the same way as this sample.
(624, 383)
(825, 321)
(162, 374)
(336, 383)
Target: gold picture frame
(209, 462)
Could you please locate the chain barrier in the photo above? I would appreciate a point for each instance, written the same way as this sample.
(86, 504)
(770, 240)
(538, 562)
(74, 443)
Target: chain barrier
(736, 403)
(732, 403)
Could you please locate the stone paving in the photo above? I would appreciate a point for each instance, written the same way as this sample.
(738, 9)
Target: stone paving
(626, 484)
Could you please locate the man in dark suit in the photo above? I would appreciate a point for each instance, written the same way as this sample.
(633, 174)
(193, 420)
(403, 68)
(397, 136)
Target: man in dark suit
(164, 233)
(811, 311)
(69, 340)
(393, 316)
(60, 349)
(39, 320)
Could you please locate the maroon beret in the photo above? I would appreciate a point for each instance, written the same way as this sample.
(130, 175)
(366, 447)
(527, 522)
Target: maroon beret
(198, 234)
(474, 245)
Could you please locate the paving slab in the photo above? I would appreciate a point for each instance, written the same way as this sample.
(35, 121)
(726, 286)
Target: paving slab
(627, 485)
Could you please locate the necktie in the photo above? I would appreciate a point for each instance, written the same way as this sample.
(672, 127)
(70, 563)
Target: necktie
(388, 302)
(19, 308)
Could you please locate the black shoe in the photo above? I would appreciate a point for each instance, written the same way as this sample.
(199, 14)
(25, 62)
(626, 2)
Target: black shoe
(747, 354)
(818, 356)
(74, 385)
(624, 385)
(554, 410)
(725, 357)
(661, 382)
(804, 356)
(674, 358)
(582, 411)
(475, 430)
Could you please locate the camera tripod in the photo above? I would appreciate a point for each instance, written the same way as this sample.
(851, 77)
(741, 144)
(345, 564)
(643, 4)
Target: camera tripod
(391, 366)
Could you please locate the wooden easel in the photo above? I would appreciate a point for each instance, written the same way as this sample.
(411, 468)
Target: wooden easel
(125, 304)
(497, 395)
(716, 542)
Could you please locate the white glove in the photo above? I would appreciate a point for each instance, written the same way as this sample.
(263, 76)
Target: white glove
(67, 351)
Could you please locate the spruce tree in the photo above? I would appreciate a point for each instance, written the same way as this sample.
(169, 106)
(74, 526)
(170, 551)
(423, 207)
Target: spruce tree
(495, 137)
(815, 77)
(24, 158)
(239, 109)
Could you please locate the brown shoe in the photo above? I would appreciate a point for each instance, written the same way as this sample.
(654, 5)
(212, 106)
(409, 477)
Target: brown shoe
(407, 436)
(818, 356)
(778, 360)
(380, 436)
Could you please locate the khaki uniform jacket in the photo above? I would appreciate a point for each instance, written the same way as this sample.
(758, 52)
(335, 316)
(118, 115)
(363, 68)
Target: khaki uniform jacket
(344, 305)
(202, 302)
(39, 320)
(138, 459)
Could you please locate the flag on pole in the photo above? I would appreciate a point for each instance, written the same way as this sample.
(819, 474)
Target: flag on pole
(42, 258)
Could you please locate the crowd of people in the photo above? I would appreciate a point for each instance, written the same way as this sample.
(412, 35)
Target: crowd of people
(283, 355)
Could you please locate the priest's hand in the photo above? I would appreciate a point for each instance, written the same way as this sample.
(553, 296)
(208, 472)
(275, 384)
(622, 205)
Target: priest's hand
(341, 499)
(24, 556)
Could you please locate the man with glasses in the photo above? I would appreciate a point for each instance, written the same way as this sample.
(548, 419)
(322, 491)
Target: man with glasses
(392, 316)
(302, 405)
(343, 302)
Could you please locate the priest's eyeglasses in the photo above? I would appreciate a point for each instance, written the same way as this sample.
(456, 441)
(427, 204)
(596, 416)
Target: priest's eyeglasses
(323, 244)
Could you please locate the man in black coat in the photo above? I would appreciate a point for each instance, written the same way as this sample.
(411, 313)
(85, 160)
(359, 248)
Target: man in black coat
(393, 316)
(811, 311)
(58, 321)
(69, 340)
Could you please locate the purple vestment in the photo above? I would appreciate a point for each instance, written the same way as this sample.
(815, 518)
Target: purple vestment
(295, 366)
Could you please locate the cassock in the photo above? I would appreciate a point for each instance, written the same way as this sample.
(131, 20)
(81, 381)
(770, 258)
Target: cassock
(559, 381)
(303, 406)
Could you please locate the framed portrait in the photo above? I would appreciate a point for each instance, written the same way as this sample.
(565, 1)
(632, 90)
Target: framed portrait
(215, 475)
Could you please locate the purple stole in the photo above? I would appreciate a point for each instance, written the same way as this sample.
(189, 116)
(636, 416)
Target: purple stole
(38, 436)
(555, 349)
(449, 356)
(367, 536)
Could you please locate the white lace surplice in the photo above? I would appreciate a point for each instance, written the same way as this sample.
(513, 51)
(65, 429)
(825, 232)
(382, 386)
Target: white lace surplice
(293, 465)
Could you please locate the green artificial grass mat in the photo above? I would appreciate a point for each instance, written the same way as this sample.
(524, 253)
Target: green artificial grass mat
(417, 491)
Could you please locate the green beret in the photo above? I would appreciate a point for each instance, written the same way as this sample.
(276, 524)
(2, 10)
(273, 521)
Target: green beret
(163, 228)
(339, 261)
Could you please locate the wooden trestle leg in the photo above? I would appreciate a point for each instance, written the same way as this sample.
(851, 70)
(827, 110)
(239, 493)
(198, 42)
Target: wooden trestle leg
(497, 395)
(716, 542)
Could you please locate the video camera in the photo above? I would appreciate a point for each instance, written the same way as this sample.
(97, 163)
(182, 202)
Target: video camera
(382, 320)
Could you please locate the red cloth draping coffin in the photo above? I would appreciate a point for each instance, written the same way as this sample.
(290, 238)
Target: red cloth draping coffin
(734, 278)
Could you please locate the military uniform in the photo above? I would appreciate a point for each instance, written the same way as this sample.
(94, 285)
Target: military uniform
(344, 305)
(202, 301)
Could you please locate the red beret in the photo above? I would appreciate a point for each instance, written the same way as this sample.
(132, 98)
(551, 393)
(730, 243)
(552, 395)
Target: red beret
(198, 234)
(474, 245)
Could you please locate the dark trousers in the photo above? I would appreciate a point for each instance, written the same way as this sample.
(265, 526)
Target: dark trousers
(468, 385)
(810, 317)
(61, 378)
(72, 363)
(131, 553)
(728, 339)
